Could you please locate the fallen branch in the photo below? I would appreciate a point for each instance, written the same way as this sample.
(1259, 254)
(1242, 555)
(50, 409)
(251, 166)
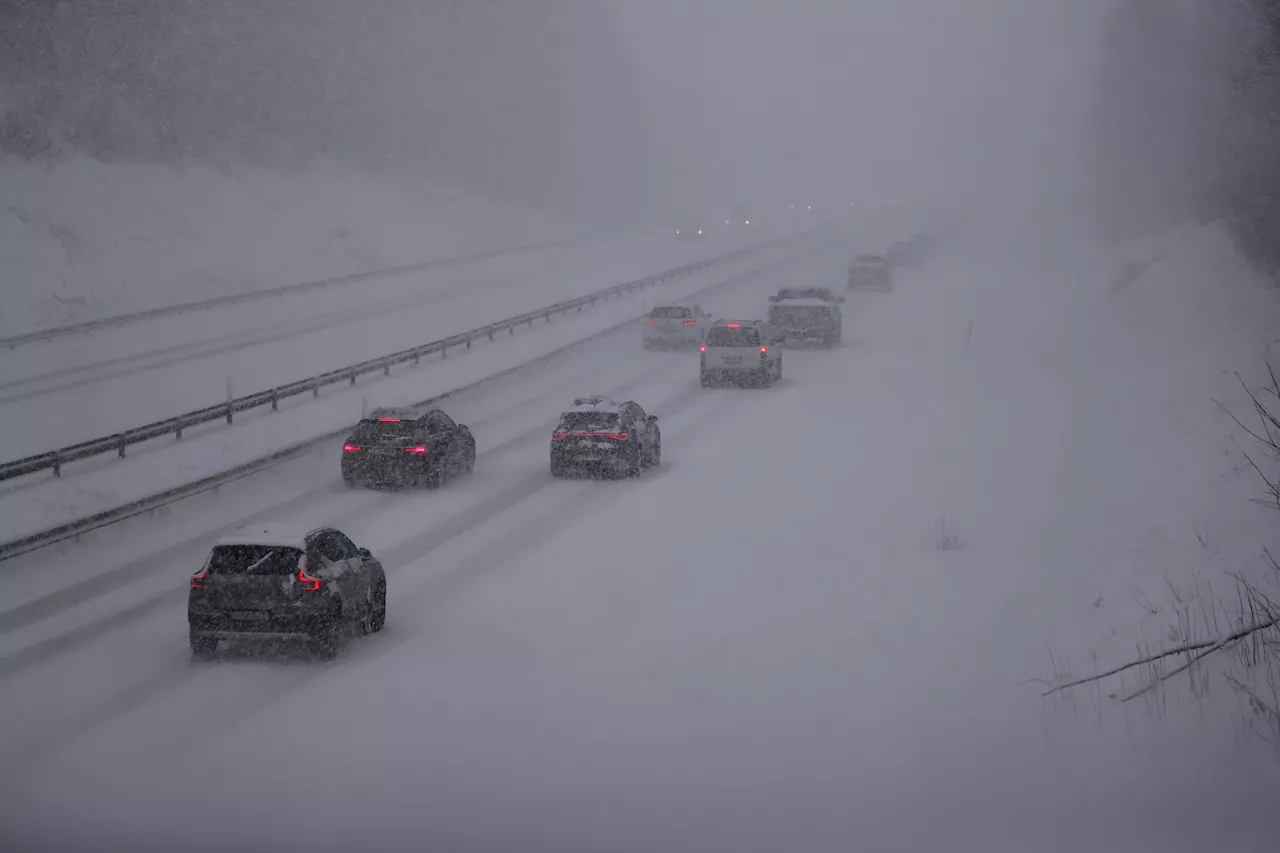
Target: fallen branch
(1208, 647)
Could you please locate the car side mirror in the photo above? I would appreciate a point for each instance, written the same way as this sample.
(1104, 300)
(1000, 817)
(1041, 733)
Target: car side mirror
(652, 418)
(364, 552)
(464, 427)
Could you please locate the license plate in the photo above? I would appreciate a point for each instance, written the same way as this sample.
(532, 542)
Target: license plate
(249, 615)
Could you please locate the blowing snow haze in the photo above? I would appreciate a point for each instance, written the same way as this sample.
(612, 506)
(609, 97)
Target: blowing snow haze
(639, 425)
(610, 107)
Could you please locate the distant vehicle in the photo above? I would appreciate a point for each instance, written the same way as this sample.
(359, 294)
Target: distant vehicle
(397, 447)
(825, 294)
(268, 583)
(740, 353)
(598, 437)
(807, 321)
(693, 231)
(904, 253)
(674, 327)
(870, 272)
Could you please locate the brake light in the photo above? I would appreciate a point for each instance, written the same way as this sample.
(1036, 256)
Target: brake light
(309, 583)
(651, 322)
(559, 436)
(197, 581)
(418, 449)
(388, 420)
(691, 322)
(733, 325)
(350, 448)
(764, 349)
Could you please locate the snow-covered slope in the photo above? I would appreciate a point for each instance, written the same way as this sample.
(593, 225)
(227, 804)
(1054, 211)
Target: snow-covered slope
(81, 239)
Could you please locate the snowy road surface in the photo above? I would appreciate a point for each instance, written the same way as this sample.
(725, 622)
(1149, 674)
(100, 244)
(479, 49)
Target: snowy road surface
(756, 648)
(132, 375)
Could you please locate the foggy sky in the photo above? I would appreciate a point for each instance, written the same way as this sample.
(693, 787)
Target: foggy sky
(612, 108)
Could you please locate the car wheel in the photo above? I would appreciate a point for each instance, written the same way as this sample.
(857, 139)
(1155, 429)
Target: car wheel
(655, 461)
(636, 465)
(203, 647)
(705, 380)
(435, 477)
(329, 638)
(766, 377)
(379, 618)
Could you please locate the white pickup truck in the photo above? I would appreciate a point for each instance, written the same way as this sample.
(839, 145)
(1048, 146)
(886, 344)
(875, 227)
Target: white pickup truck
(740, 353)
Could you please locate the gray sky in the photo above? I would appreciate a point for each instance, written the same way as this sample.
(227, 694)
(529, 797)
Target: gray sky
(951, 96)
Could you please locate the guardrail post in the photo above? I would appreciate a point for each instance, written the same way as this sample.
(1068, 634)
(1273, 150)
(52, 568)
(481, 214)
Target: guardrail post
(123, 445)
(315, 388)
(353, 378)
(491, 333)
(546, 316)
(228, 417)
(444, 351)
(468, 342)
(386, 368)
(57, 465)
(178, 432)
(275, 399)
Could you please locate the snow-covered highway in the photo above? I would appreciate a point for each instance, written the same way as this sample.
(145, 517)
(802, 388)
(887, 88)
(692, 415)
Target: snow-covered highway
(756, 647)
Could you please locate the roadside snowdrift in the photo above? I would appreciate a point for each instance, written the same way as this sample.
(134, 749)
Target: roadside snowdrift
(82, 239)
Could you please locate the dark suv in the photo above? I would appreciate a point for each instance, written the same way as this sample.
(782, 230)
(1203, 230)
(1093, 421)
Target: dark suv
(601, 436)
(267, 583)
(407, 447)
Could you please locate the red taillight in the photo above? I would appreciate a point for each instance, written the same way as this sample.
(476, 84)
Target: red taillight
(764, 349)
(388, 420)
(733, 325)
(651, 322)
(197, 581)
(702, 349)
(350, 448)
(309, 583)
(418, 449)
(619, 436)
(691, 322)
(559, 436)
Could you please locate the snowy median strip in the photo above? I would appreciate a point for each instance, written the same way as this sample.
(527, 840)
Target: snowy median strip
(164, 471)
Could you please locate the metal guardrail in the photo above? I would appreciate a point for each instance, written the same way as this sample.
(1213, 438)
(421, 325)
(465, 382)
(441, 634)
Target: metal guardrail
(119, 442)
(16, 341)
(73, 529)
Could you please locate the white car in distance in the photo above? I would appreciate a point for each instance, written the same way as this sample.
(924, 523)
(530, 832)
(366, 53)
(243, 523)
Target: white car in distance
(674, 327)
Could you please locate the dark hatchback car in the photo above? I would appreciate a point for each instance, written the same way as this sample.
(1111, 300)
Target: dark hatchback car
(407, 447)
(599, 437)
(270, 584)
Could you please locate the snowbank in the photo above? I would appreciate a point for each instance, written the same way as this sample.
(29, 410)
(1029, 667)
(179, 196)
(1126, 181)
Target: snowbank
(82, 239)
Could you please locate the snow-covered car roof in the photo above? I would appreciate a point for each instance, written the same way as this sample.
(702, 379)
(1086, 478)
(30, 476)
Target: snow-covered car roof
(804, 303)
(594, 403)
(285, 536)
(404, 413)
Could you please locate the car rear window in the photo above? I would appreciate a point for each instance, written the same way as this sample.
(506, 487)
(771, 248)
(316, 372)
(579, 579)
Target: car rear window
(373, 431)
(724, 337)
(588, 422)
(253, 560)
(670, 312)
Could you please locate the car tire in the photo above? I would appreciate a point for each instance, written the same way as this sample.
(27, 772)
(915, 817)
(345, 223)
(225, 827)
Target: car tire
(765, 377)
(435, 477)
(203, 648)
(655, 459)
(704, 380)
(378, 620)
(329, 639)
(636, 465)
